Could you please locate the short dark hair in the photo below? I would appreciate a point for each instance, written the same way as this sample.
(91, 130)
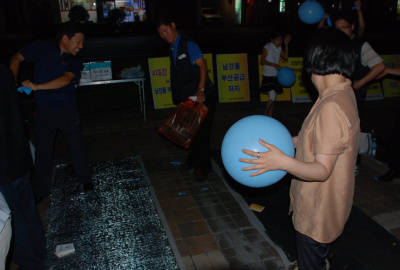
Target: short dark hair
(69, 29)
(78, 14)
(276, 33)
(163, 18)
(329, 51)
(345, 15)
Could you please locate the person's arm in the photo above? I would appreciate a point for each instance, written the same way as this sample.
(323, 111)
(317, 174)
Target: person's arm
(361, 21)
(201, 63)
(267, 63)
(286, 40)
(372, 74)
(275, 159)
(15, 61)
(295, 138)
(53, 84)
(321, 23)
(393, 71)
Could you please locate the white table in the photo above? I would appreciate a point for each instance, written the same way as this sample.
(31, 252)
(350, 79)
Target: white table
(138, 81)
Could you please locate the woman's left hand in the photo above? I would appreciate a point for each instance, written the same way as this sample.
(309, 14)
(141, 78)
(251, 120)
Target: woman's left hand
(273, 159)
(287, 38)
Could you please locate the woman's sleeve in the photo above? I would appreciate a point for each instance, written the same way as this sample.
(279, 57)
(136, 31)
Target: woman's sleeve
(331, 133)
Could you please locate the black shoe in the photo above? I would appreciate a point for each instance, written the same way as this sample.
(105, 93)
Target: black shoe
(388, 176)
(88, 187)
(185, 167)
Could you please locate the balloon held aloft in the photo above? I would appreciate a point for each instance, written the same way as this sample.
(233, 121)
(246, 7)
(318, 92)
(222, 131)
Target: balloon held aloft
(244, 134)
(286, 77)
(311, 12)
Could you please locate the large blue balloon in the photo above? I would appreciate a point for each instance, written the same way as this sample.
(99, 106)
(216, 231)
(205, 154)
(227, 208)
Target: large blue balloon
(311, 12)
(286, 77)
(244, 134)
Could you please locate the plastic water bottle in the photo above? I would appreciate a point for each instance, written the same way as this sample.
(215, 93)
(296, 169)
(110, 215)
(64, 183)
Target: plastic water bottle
(373, 147)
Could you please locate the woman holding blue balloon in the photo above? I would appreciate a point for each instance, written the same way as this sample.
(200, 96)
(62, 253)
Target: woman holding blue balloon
(323, 181)
(270, 57)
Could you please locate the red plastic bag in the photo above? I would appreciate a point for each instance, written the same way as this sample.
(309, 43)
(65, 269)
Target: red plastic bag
(184, 122)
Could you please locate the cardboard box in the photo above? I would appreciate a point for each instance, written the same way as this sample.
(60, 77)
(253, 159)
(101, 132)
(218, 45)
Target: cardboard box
(85, 73)
(100, 71)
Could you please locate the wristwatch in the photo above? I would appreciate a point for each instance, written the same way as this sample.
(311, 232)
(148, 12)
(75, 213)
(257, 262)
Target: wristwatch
(201, 89)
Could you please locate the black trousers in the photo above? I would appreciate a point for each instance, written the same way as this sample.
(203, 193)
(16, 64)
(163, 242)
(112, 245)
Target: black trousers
(47, 122)
(200, 150)
(311, 255)
(28, 246)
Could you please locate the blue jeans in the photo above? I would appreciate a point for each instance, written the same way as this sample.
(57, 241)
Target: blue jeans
(28, 239)
(47, 122)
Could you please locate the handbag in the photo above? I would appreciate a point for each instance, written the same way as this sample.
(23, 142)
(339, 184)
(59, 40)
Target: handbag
(183, 123)
(368, 143)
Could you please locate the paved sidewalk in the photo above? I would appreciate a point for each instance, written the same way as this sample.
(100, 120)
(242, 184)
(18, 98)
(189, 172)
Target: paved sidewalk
(211, 225)
(211, 228)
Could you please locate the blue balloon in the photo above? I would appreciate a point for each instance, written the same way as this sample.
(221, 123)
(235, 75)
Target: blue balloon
(22, 89)
(311, 12)
(286, 77)
(244, 134)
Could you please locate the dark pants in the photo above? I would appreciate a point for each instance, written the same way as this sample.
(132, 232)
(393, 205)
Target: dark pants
(200, 150)
(47, 122)
(28, 239)
(311, 255)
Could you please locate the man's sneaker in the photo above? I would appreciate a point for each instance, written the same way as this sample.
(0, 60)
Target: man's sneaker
(389, 176)
(185, 167)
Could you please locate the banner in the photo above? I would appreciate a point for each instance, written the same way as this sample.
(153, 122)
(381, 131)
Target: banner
(374, 91)
(391, 87)
(299, 92)
(159, 69)
(209, 61)
(233, 78)
(286, 90)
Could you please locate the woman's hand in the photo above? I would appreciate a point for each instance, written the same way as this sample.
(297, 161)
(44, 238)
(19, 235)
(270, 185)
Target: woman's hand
(271, 160)
(287, 38)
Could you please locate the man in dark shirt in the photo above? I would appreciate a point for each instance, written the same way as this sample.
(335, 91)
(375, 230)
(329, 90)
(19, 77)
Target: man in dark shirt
(189, 77)
(57, 72)
(28, 248)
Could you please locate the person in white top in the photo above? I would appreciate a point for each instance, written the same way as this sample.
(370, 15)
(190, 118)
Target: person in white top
(270, 57)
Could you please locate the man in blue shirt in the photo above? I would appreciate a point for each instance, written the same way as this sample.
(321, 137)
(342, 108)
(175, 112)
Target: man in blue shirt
(189, 77)
(57, 72)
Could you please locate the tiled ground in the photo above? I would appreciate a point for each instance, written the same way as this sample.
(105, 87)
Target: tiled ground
(209, 225)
